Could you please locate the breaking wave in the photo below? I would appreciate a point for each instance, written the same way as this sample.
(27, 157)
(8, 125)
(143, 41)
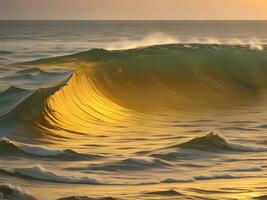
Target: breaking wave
(163, 39)
(37, 172)
(106, 87)
(9, 147)
(129, 164)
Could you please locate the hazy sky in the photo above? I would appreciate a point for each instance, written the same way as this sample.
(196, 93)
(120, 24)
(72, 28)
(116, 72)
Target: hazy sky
(133, 9)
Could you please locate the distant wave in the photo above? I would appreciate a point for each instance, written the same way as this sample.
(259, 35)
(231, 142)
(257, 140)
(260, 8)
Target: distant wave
(3, 52)
(174, 180)
(216, 143)
(9, 147)
(37, 172)
(203, 147)
(86, 198)
(130, 164)
(169, 193)
(248, 169)
(204, 177)
(8, 191)
(218, 176)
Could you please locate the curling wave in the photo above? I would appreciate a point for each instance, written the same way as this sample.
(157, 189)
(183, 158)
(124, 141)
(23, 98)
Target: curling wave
(111, 88)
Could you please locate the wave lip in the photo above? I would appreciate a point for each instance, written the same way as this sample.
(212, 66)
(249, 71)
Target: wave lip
(37, 172)
(9, 191)
(11, 147)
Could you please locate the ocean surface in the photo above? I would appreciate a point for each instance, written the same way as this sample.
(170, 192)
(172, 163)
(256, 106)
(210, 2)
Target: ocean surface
(133, 110)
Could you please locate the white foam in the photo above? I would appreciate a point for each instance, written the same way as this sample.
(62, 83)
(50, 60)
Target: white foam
(255, 44)
(151, 40)
(33, 149)
(40, 151)
(161, 39)
(40, 173)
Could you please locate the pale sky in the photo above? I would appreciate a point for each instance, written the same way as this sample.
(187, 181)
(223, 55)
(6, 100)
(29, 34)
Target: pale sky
(134, 9)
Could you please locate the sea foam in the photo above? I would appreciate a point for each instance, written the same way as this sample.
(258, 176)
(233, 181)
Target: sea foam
(37, 172)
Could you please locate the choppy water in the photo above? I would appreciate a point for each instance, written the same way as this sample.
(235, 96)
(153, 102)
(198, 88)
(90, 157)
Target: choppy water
(133, 110)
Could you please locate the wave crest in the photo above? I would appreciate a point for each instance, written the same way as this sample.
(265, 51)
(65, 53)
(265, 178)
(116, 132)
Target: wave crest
(214, 142)
(37, 172)
(9, 147)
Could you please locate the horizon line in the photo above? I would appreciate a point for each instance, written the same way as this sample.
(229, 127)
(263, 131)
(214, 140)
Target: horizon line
(133, 19)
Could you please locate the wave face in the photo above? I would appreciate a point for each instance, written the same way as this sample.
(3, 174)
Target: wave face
(121, 86)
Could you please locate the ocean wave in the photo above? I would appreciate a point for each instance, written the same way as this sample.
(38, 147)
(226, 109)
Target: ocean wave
(86, 198)
(203, 147)
(37, 75)
(9, 147)
(9, 191)
(130, 164)
(4, 52)
(214, 142)
(249, 169)
(37, 172)
(18, 101)
(107, 85)
(173, 180)
(218, 176)
(203, 177)
(165, 193)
